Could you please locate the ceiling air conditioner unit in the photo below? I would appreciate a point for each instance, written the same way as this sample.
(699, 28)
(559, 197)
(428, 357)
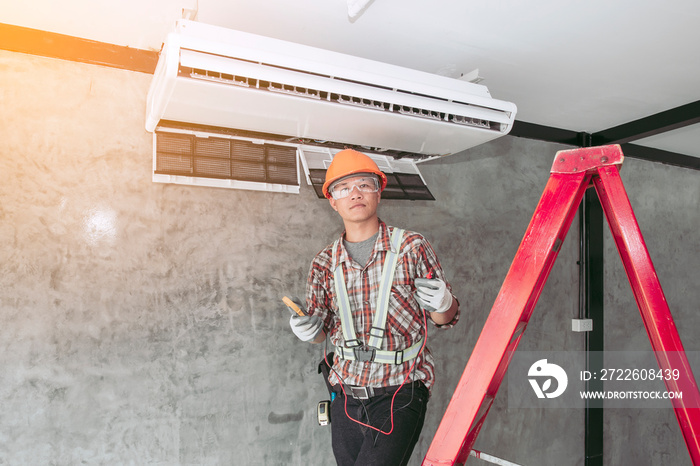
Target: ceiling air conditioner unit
(254, 86)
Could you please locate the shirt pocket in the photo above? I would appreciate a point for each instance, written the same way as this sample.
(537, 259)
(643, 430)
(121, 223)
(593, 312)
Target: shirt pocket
(402, 301)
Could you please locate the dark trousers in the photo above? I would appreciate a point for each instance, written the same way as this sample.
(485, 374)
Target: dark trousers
(354, 444)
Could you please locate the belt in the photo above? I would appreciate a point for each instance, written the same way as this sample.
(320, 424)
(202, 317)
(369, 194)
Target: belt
(358, 353)
(365, 393)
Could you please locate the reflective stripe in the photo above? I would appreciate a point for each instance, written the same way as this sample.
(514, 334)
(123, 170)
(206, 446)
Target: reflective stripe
(352, 343)
(376, 333)
(383, 356)
(341, 293)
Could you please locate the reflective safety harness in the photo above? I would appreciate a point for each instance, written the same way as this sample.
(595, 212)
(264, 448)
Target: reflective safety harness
(354, 350)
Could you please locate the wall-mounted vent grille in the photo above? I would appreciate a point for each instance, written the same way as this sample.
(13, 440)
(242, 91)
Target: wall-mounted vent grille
(342, 99)
(404, 180)
(404, 186)
(196, 158)
(317, 177)
(224, 159)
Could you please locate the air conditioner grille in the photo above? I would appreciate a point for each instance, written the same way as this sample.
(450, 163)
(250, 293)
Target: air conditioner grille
(211, 167)
(280, 173)
(341, 99)
(248, 152)
(222, 158)
(174, 164)
(280, 156)
(211, 147)
(249, 172)
(405, 186)
(173, 146)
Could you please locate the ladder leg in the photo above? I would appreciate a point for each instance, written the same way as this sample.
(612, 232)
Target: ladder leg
(507, 320)
(475, 392)
(653, 307)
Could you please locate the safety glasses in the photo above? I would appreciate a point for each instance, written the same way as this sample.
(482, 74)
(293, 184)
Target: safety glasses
(364, 184)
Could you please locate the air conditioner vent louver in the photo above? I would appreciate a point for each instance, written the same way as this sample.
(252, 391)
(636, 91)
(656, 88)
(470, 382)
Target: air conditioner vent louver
(213, 77)
(337, 98)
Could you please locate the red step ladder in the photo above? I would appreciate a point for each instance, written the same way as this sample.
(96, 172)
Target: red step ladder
(572, 173)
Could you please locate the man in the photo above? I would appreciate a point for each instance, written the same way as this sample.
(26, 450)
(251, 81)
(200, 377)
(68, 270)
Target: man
(368, 292)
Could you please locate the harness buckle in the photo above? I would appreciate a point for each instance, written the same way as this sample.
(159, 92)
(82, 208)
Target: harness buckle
(398, 357)
(364, 354)
(377, 332)
(353, 343)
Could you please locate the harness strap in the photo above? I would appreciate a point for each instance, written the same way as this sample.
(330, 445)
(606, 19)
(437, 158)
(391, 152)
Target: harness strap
(382, 356)
(341, 293)
(376, 333)
(352, 349)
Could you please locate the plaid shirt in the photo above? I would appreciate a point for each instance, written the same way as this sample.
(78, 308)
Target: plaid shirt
(405, 321)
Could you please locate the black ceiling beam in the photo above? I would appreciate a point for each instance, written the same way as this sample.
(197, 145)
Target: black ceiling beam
(527, 130)
(661, 122)
(659, 155)
(581, 139)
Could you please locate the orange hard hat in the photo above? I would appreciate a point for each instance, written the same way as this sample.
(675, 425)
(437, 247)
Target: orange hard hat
(349, 162)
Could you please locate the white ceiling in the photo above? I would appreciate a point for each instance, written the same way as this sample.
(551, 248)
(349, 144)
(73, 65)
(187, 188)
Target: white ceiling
(570, 64)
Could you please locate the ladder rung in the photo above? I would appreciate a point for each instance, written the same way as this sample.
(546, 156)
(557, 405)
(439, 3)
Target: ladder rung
(491, 459)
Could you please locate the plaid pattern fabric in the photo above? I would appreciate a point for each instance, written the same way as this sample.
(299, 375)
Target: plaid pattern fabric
(405, 322)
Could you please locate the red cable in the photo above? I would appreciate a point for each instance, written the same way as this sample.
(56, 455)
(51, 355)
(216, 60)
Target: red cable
(345, 402)
(345, 406)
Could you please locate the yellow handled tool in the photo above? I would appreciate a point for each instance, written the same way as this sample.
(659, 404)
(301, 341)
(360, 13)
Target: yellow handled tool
(293, 306)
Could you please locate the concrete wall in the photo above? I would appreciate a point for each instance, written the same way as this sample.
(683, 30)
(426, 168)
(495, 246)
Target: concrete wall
(141, 323)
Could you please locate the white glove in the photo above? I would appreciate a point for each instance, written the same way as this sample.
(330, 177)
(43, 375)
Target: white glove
(306, 328)
(433, 295)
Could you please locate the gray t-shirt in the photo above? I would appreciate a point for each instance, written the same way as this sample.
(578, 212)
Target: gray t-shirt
(361, 251)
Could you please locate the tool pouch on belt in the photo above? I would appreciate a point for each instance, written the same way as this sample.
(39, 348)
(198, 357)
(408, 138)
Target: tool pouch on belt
(325, 369)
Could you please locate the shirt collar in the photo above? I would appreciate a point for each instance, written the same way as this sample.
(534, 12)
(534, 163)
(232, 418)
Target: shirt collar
(383, 243)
